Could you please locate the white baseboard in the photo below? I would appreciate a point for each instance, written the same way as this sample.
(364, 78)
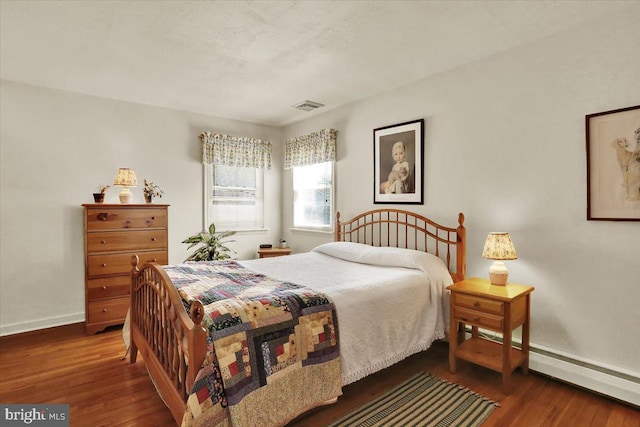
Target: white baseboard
(601, 378)
(50, 322)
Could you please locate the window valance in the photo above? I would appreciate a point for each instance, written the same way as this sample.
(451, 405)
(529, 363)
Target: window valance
(316, 147)
(230, 150)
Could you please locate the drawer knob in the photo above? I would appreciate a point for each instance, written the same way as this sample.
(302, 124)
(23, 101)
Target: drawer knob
(153, 217)
(102, 216)
(152, 260)
(104, 310)
(103, 242)
(127, 224)
(153, 239)
(104, 264)
(104, 287)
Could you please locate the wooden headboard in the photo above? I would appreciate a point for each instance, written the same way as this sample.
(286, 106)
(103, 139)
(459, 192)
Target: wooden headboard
(404, 229)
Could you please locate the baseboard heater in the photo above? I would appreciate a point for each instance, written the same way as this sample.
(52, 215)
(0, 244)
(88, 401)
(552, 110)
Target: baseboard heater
(608, 380)
(594, 376)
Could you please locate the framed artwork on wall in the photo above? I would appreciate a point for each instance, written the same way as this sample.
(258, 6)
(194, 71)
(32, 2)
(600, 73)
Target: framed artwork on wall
(613, 165)
(397, 163)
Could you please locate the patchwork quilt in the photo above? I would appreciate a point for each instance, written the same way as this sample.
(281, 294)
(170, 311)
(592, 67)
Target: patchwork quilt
(272, 350)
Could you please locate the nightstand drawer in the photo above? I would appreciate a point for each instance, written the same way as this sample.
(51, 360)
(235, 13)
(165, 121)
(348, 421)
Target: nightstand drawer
(479, 303)
(126, 240)
(478, 318)
(108, 310)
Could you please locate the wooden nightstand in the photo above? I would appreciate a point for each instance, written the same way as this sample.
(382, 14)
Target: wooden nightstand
(497, 308)
(271, 252)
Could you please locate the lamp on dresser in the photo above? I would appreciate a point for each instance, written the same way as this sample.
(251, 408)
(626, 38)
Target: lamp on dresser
(125, 178)
(499, 247)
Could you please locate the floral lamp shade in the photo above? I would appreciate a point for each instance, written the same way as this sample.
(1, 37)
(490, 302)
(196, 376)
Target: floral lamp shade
(125, 178)
(499, 247)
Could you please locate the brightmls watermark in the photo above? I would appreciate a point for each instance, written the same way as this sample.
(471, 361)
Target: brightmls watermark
(34, 415)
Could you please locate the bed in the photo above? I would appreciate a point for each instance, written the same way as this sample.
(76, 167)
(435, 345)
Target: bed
(377, 311)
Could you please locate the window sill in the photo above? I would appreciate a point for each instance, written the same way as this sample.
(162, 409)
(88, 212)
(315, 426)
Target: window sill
(248, 230)
(311, 231)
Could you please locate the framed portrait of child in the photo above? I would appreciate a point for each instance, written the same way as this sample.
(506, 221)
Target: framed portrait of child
(397, 163)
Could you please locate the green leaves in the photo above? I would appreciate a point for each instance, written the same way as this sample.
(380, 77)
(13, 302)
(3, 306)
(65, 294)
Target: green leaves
(212, 248)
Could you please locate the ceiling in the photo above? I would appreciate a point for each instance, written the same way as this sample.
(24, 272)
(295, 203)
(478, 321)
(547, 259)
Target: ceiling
(253, 60)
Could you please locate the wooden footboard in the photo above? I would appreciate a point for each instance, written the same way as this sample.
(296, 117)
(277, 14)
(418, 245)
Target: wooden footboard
(172, 343)
(404, 229)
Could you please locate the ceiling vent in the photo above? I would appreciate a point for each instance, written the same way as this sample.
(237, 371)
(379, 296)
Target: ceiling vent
(307, 105)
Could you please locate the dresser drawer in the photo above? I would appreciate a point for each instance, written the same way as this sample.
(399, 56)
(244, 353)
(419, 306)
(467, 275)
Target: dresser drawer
(479, 303)
(102, 265)
(108, 287)
(478, 318)
(113, 218)
(109, 241)
(108, 310)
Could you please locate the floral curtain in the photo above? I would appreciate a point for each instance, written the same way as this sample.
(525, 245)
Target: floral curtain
(316, 147)
(230, 150)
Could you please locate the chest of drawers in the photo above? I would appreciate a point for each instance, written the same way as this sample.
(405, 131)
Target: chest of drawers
(113, 233)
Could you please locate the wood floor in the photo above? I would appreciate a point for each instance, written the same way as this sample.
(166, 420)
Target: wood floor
(62, 365)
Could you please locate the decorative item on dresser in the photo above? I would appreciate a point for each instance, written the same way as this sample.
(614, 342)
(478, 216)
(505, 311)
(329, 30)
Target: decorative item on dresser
(125, 178)
(151, 190)
(98, 196)
(112, 234)
(497, 308)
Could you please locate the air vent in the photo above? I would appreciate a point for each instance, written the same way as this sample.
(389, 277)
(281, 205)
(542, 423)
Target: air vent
(307, 105)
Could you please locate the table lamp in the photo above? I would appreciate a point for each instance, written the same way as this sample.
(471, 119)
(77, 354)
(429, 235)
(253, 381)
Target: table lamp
(499, 247)
(125, 178)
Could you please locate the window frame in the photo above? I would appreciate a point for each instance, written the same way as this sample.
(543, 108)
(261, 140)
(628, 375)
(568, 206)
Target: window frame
(323, 229)
(261, 176)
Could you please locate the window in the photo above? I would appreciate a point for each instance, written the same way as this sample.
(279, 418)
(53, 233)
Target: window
(313, 196)
(234, 197)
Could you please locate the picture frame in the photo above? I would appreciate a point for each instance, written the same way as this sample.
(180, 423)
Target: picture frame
(613, 165)
(398, 178)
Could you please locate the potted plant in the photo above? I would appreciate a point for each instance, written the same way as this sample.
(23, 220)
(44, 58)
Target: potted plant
(98, 196)
(213, 246)
(150, 191)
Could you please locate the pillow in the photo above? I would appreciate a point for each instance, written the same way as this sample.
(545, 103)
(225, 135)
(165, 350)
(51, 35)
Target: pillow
(430, 264)
(348, 251)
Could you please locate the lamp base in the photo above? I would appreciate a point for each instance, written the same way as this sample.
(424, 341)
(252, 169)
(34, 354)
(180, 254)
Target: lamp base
(498, 273)
(125, 196)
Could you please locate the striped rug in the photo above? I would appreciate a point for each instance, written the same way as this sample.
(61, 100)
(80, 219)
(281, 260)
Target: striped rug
(424, 401)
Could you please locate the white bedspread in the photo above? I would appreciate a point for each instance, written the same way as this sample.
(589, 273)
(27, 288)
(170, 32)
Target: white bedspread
(386, 312)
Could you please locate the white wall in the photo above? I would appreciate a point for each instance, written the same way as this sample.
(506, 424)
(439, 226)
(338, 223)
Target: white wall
(56, 148)
(505, 144)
